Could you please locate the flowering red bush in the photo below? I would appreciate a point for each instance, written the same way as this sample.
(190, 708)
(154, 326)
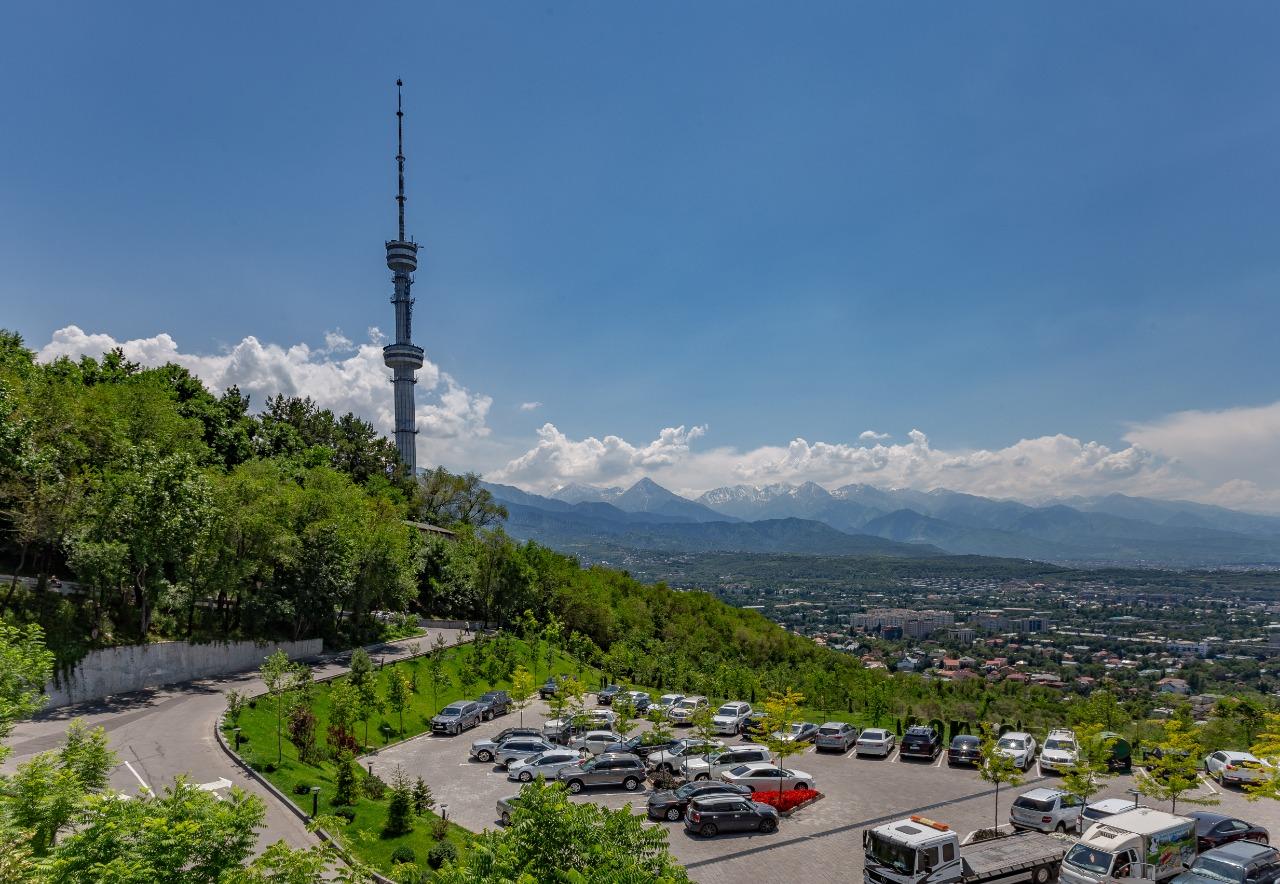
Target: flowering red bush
(788, 800)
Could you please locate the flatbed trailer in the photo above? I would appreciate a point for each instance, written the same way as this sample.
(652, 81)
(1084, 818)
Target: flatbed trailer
(1034, 856)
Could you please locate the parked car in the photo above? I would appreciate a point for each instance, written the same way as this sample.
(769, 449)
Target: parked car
(595, 742)
(765, 776)
(1240, 862)
(837, 735)
(685, 708)
(494, 703)
(605, 695)
(672, 760)
(1100, 810)
(754, 725)
(718, 761)
(609, 769)
(551, 687)
(670, 805)
(730, 717)
(505, 808)
(798, 732)
(964, 749)
(544, 764)
(483, 750)
(1047, 810)
(1216, 829)
(921, 741)
(713, 814)
(666, 701)
(1059, 751)
(875, 741)
(600, 718)
(562, 730)
(638, 700)
(457, 717)
(1235, 767)
(521, 747)
(636, 745)
(1020, 746)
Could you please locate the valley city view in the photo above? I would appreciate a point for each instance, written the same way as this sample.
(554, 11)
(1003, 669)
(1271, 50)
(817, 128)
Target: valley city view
(600, 443)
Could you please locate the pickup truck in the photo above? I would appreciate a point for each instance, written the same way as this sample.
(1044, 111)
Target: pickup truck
(919, 850)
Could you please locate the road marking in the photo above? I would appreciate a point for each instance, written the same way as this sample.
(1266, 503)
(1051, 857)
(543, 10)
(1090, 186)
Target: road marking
(220, 783)
(1209, 782)
(942, 756)
(136, 777)
(1039, 770)
(896, 755)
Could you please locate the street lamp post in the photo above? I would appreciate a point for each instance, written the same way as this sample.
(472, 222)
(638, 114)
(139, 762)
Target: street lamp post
(236, 732)
(315, 801)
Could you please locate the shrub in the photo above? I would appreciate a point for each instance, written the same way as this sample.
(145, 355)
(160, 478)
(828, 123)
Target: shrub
(302, 789)
(404, 854)
(374, 787)
(788, 800)
(269, 767)
(441, 853)
(439, 829)
(665, 780)
(347, 813)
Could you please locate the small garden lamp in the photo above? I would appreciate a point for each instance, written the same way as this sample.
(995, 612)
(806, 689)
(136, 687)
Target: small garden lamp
(1136, 793)
(315, 801)
(444, 812)
(236, 732)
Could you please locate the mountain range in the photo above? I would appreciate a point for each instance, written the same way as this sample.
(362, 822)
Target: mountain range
(862, 519)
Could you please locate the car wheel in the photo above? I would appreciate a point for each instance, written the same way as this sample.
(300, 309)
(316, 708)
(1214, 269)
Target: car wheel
(506, 818)
(1061, 829)
(486, 716)
(673, 814)
(708, 830)
(484, 755)
(1042, 875)
(801, 786)
(525, 776)
(768, 825)
(1221, 778)
(702, 776)
(631, 784)
(575, 786)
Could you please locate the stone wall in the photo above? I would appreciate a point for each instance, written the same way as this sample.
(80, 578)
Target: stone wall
(109, 671)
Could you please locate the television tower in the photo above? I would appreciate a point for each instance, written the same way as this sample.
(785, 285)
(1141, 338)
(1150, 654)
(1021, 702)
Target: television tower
(403, 357)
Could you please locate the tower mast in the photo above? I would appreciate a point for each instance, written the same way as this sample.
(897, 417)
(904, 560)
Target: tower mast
(403, 357)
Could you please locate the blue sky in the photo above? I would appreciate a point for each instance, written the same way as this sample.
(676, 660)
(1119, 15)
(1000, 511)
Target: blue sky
(993, 222)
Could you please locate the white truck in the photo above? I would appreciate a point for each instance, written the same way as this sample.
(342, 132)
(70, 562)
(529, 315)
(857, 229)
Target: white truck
(1134, 846)
(919, 850)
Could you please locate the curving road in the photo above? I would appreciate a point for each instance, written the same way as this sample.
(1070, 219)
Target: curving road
(161, 733)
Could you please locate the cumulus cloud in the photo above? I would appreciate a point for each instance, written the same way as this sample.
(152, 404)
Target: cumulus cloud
(530, 406)
(341, 376)
(872, 436)
(1230, 458)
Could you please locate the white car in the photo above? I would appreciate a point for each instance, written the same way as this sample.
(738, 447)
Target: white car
(666, 701)
(687, 707)
(1059, 752)
(729, 718)
(1019, 746)
(765, 776)
(595, 741)
(673, 759)
(1235, 767)
(717, 761)
(544, 764)
(1100, 810)
(1046, 810)
(875, 741)
(602, 718)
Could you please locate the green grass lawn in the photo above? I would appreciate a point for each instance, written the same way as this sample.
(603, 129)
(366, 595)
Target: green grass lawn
(363, 836)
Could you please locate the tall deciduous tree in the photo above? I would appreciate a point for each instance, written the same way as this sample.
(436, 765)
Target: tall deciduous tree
(521, 690)
(1174, 773)
(780, 710)
(997, 767)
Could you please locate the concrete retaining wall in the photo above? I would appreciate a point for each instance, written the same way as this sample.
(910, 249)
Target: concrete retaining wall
(109, 671)
(450, 624)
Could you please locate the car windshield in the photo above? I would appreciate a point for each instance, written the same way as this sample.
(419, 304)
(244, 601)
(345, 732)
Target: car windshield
(1208, 867)
(872, 735)
(1089, 859)
(451, 711)
(741, 770)
(797, 728)
(962, 743)
(896, 856)
(1064, 745)
(1008, 743)
(685, 704)
(727, 710)
(829, 731)
(1040, 804)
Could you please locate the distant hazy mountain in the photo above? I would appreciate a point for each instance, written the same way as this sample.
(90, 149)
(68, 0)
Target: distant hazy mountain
(1184, 513)
(576, 492)
(647, 496)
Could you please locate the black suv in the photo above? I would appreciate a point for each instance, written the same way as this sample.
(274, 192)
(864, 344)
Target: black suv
(921, 741)
(550, 687)
(494, 703)
(604, 697)
(670, 805)
(714, 814)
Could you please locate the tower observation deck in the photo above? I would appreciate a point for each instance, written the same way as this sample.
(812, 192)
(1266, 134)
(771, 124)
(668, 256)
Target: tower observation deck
(403, 357)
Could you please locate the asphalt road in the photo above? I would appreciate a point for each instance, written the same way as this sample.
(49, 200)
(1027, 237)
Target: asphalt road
(162, 733)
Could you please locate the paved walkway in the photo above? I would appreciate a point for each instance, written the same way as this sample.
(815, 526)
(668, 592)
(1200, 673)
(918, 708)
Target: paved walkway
(161, 733)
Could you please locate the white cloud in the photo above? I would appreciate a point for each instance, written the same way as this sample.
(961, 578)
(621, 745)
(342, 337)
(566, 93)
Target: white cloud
(530, 406)
(448, 413)
(1231, 458)
(872, 436)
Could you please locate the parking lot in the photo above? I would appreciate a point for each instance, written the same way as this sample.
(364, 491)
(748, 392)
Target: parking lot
(822, 841)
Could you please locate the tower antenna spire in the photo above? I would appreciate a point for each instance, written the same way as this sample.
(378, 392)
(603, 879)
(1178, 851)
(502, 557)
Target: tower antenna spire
(400, 152)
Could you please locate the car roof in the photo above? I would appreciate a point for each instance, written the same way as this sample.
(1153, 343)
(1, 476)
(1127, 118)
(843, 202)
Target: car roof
(1062, 732)
(1109, 803)
(874, 730)
(614, 756)
(1020, 735)
(1245, 756)
(1042, 794)
(1209, 816)
(836, 724)
(965, 738)
(1240, 850)
(717, 797)
(918, 728)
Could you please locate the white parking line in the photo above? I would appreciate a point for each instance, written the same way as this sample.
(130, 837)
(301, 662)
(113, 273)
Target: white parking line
(942, 756)
(1039, 771)
(136, 777)
(1209, 782)
(896, 756)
